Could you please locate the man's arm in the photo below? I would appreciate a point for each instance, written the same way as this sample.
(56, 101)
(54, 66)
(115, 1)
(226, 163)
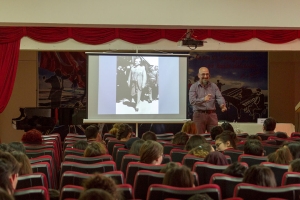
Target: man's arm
(193, 96)
(220, 99)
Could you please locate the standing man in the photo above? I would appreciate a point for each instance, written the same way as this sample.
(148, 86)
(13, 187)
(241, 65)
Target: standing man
(202, 96)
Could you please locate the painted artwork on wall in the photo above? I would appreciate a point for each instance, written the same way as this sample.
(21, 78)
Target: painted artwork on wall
(242, 78)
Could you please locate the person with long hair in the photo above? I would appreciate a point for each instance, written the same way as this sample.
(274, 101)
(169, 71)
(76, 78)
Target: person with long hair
(179, 177)
(124, 132)
(195, 141)
(216, 158)
(189, 127)
(226, 140)
(25, 166)
(281, 156)
(260, 175)
(151, 152)
(202, 150)
(94, 149)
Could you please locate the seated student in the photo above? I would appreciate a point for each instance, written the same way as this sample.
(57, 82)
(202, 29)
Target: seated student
(226, 140)
(294, 148)
(260, 175)
(92, 134)
(5, 196)
(235, 169)
(149, 135)
(32, 136)
(136, 147)
(17, 146)
(227, 127)
(94, 149)
(195, 141)
(294, 165)
(269, 125)
(151, 152)
(189, 127)
(80, 144)
(180, 138)
(253, 147)
(95, 194)
(168, 166)
(130, 141)
(9, 169)
(217, 130)
(179, 177)
(100, 181)
(202, 150)
(216, 158)
(124, 132)
(280, 134)
(281, 156)
(114, 130)
(5, 147)
(25, 166)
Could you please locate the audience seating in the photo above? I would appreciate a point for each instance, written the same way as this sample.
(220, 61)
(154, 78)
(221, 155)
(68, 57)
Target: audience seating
(115, 149)
(290, 178)
(264, 136)
(278, 170)
(161, 192)
(250, 192)
(42, 152)
(88, 160)
(269, 148)
(36, 192)
(295, 134)
(165, 139)
(233, 153)
(105, 135)
(70, 191)
(121, 152)
(169, 147)
(44, 167)
(242, 135)
(126, 190)
(31, 180)
(166, 159)
(189, 160)
(226, 182)
(206, 170)
(177, 155)
(134, 167)
(127, 159)
(111, 144)
(71, 151)
(252, 160)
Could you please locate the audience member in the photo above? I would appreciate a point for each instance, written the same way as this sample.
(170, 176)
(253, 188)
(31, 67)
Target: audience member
(168, 166)
(95, 194)
(195, 141)
(94, 149)
(136, 147)
(217, 130)
(254, 137)
(5, 196)
(189, 127)
(294, 148)
(149, 135)
(281, 156)
(226, 140)
(129, 142)
(280, 134)
(9, 168)
(124, 132)
(25, 166)
(114, 130)
(92, 134)
(5, 147)
(260, 175)
(269, 125)
(227, 127)
(99, 181)
(179, 177)
(80, 144)
(294, 166)
(253, 147)
(32, 136)
(180, 138)
(151, 152)
(17, 146)
(216, 158)
(202, 150)
(235, 169)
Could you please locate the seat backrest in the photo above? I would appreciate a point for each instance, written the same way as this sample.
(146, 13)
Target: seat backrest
(161, 192)
(226, 182)
(134, 167)
(88, 160)
(44, 167)
(166, 159)
(270, 148)
(233, 153)
(36, 192)
(169, 147)
(290, 178)
(111, 144)
(31, 180)
(126, 190)
(250, 191)
(177, 155)
(206, 170)
(242, 135)
(278, 170)
(120, 154)
(189, 160)
(41, 152)
(295, 134)
(101, 167)
(252, 160)
(143, 179)
(264, 136)
(127, 159)
(115, 149)
(165, 139)
(105, 135)
(70, 191)
(72, 151)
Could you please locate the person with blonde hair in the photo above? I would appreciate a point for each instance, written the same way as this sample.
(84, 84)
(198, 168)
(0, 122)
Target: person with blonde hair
(202, 150)
(281, 156)
(94, 149)
(151, 152)
(25, 166)
(189, 127)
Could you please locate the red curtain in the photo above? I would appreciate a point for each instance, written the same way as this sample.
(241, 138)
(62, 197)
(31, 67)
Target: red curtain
(10, 42)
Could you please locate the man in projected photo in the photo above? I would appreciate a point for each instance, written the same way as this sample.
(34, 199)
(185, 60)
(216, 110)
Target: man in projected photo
(152, 83)
(202, 96)
(137, 81)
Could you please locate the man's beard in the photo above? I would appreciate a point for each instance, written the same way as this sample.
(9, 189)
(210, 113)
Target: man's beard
(204, 81)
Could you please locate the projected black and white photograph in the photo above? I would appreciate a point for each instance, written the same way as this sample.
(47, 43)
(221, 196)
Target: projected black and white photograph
(137, 85)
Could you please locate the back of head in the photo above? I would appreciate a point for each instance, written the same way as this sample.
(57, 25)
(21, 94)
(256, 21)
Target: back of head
(228, 136)
(227, 127)
(114, 131)
(100, 181)
(295, 165)
(253, 147)
(281, 156)
(254, 137)
(294, 148)
(180, 138)
(149, 135)
(202, 150)
(216, 158)
(32, 136)
(168, 166)
(25, 166)
(195, 141)
(235, 169)
(136, 147)
(17, 146)
(94, 149)
(269, 124)
(217, 130)
(5, 147)
(91, 132)
(124, 132)
(150, 151)
(95, 194)
(260, 175)
(280, 134)
(189, 127)
(80, 144)
(179, 177)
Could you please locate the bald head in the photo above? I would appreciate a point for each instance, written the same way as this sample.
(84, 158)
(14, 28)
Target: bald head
(203, 75)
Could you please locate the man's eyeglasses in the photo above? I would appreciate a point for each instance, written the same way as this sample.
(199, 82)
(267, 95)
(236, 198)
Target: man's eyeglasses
(204, 74)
